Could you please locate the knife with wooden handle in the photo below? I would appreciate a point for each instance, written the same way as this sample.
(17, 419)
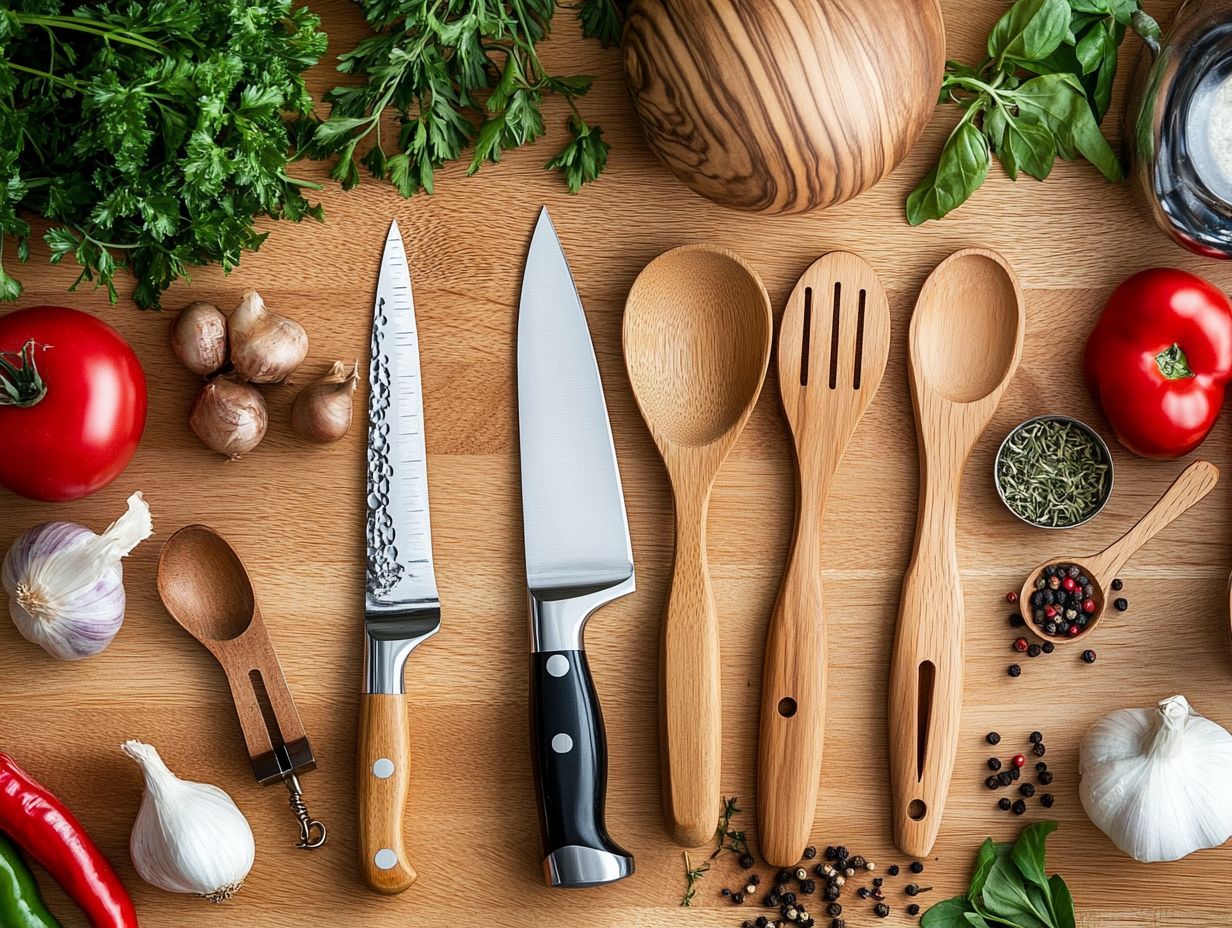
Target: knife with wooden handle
(401, 606)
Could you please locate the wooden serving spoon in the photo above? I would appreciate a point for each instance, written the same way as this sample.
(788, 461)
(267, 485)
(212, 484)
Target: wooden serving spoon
(697, 335)
(204, 585)
(1197, 480)
(966, 339)
(833, 344)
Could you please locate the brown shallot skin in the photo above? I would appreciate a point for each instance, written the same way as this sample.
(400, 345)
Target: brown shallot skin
(199, 338)
(265, 346)
(229, 417)
(323, 410)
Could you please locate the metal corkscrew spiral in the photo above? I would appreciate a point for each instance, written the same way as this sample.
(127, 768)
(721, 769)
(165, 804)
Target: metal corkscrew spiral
(311, 832)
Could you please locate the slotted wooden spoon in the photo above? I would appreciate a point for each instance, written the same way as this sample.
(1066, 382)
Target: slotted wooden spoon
(833, 344)
(966, 339)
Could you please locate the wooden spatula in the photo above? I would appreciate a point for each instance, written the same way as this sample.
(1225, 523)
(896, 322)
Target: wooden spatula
(833, 344)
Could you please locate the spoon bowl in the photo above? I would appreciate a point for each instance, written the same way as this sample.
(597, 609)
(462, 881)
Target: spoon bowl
(697, 334)
(204, 585)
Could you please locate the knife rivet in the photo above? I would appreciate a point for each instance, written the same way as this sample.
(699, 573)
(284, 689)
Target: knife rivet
(558, 665)
(562, 743)
(385, 859)
(383, 768)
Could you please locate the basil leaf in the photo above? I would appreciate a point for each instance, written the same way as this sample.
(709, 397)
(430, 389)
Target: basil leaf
(963, 166)
(1028, 147)
(1059, 102)
(1030, 29)
(995, 122)
(1029, 852)
(1005, 894)
(1062, 902)
(948, 914)
(1095, 45)
(988, 855)
(1101, 93)
(976, 920)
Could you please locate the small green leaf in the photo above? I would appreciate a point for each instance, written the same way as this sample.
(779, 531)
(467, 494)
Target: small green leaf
(1005, 895)
(948, 914)
(1059, 103)
(1062, 902)
(960, 170)
(1028, 147)
(1030, 29)
(1095, 44)
(1173, 364)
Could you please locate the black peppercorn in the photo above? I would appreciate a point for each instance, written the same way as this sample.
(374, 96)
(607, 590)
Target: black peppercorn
(838, 923)
(761, 922)
(819, 871)
(747, 861)
(1035, 737)
(755, 880)
(911, 889)
(808, 887)
(917, 867)
(881, 910)
(810, 852)
(1004, 804)
(1034, 650)
(1088, 656)
(834, 910)
(840, 853)
(1019, 807)
(1005, 778)
(725, 891)
(1039, 750)
(1050, 628)
(1016, 620)
(1045, 778)
(857, 862)
(1015, 773)
(1048, 647)
(830, 852)
(772, 901)
(1074, 571)
(1014, 670)
(994, 764)
(863, 892)
(831, 892)
(1046, 800)
(1050, 571)
(913, 909)
(892, 870)
(1121, 603)
(738, 898)
(1117, 584)
(1027, 790)
(1041, 766)
(878, 882)
(789, 898)
(783, 876)
(992, 738)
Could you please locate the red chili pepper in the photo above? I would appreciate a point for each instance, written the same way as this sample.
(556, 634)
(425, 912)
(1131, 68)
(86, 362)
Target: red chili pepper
(47, 831)
(1159, 359)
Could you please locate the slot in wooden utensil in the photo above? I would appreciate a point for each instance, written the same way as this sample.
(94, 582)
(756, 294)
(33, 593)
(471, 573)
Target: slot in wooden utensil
(205, 588)
(697, 335)
(834, 340)
(965, 342)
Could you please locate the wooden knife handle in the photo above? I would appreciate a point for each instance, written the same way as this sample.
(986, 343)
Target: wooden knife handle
(690, 692)
(793, 707)
(383, 779)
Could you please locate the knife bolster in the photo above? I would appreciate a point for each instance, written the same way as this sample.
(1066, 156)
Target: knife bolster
(389, 640)
(558, 618)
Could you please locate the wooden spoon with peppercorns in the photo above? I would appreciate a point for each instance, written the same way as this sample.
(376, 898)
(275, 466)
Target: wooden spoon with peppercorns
(1061, 579)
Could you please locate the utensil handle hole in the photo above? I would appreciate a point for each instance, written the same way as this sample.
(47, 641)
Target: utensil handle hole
(838, 297)
(808, 327)
(917, 810)
(855, 378)
(787, 707)
(924, 713)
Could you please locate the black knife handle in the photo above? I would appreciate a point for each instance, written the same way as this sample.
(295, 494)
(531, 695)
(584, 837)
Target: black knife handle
(570, 754)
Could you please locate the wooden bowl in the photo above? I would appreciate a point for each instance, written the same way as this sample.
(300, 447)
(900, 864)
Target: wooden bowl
(781, 106)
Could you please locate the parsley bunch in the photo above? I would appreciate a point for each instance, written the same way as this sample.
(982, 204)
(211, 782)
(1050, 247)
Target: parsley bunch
(1040, 94)
(458, 75)
(152, 133)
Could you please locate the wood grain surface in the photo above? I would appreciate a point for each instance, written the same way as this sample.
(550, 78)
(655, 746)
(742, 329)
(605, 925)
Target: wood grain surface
(295, 515)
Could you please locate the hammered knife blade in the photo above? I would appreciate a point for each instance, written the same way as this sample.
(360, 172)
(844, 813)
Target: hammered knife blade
(401, 605)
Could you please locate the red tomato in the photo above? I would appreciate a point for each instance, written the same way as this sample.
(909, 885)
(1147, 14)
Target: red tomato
(72, 403)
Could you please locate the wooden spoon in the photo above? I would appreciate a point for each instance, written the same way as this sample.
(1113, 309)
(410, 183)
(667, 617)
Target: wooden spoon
(966, 339)
(204, 585)
(697, 335)
(833, 344)
(1198, 479)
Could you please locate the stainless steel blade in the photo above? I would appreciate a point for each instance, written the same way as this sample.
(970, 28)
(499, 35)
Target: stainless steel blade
(400, 572)
(573, 510)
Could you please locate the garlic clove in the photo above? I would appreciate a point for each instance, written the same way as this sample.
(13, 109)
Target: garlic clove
(188, 837)
(229, 417)
(323, 410)
(199, 338)
(265, 346)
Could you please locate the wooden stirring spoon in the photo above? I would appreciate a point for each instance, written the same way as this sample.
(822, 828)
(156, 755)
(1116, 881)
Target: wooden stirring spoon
(1197, 480)
(833, 344)
(697, 333)
(966, 339)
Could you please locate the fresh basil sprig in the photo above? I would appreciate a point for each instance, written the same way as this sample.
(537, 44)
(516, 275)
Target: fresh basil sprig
(1040, 94)
(1010, 886)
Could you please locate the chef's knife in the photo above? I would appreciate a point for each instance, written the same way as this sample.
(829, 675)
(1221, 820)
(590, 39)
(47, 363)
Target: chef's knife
(401, 605)
(578, 558)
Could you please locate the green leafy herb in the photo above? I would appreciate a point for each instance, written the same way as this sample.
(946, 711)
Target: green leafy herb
(1053, 472)
(1009, 887)
(727, 838)
(1041, 93)
(457, 75)
(150, 134)
(691, 877)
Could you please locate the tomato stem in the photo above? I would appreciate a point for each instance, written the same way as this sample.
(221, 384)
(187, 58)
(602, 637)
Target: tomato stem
(20, 383)
(1173, 364)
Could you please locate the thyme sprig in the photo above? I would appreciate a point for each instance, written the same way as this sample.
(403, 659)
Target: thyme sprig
(727, 838)
(691, 877)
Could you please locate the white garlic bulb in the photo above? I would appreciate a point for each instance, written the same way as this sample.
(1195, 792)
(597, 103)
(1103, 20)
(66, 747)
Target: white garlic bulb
(188, 837)
(1155, 780)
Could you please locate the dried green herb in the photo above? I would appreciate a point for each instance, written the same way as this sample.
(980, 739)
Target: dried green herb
(727, 838)
(1053, 473)
(691, 876)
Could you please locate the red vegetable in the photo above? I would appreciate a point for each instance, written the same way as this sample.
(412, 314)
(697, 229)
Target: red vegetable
(72, 403)
(35, 820)
(1159, 360)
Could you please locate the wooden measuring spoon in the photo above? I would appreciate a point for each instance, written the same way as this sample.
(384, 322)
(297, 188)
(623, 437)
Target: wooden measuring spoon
(204, 585)
(697, 335)
(833, 344)
(1198, 479)
(966, 339)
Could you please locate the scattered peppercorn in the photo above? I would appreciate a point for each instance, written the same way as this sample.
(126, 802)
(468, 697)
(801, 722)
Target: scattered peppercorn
(1035, 737)
(1046, 800)
(838, 923)
(913, 909)
(917, 867)
(1034, 650)
(994, 764)
(1027, 790)
(830, 852)
(1088, 656)
(992, 738)
(834, 910)
(1117, 584)
(1048, 647)
(1014, 670)
(755, 880)
(1045, 778)
(1019, 760)
(911, 889)
(1020, 644)
(1121, 604)
(808, 887)
(840, 853)
(1005, 778)
(1019, 807)
(863, 892)
(892, 870)
(1004, 804)
(772, 901)
(858, 862)
(1016, 620)
(1041, 766)
(810, 852)
(1039, 750)
(881, 910)
(1015, 773)
(1011, 597)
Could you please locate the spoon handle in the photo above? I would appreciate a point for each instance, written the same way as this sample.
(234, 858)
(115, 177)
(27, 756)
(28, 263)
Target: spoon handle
(692, 701)
(1197, 480)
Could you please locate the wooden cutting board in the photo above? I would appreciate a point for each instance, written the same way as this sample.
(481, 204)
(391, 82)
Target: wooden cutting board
(295, 514)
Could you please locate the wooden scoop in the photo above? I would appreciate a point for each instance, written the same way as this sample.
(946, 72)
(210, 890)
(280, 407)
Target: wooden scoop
(204, 585)
(1197, 480)
(833, 344)
(966, 338)
(697, 335)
